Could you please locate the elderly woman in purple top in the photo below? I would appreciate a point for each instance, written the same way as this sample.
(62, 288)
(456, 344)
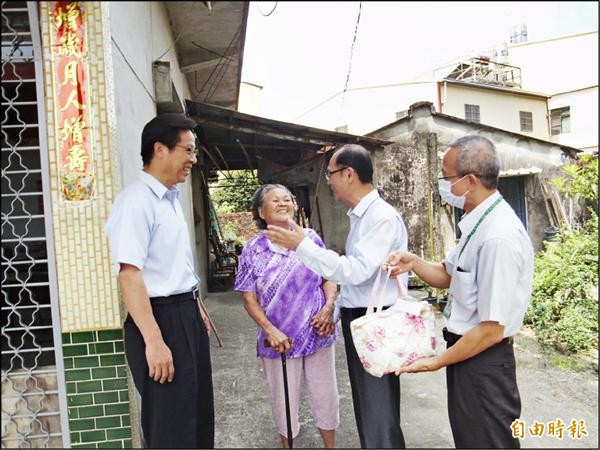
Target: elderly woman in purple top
(293, 307)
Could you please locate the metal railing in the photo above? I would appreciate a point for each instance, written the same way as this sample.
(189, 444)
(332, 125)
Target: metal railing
(484, 71)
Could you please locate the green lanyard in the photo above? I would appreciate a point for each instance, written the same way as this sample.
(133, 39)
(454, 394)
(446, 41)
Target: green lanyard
(487, 211)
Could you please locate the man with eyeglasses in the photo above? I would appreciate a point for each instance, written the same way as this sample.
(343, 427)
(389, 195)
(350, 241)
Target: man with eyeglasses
(165, 331)
(490, 277)
(376, 229)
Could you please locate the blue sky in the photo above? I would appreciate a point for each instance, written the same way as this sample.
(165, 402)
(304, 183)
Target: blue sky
(300, 53)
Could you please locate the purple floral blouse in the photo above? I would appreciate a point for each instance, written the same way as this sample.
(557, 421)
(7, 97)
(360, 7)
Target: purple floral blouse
(289, 293)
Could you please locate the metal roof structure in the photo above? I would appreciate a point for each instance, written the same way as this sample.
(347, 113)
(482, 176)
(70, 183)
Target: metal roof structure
(234, 140)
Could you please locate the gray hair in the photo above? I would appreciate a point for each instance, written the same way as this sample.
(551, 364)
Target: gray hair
(259, 199)
(477, 155)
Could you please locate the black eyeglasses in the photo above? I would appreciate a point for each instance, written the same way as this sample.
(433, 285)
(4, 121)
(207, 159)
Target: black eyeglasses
(457, 176)
(448, 177)
(328, 173)
(189, 150)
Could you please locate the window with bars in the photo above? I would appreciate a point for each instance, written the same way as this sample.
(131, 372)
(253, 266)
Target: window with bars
(31, 412)
(526, 120)
(472, 113)
(560, 121)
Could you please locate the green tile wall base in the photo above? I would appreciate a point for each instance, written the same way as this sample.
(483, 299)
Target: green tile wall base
(97, 390)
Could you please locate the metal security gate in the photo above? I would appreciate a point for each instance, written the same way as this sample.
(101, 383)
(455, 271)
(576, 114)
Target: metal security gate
(34, 408)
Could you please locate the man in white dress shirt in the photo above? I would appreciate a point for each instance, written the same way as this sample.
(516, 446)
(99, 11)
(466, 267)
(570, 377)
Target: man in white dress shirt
(489, 276)
(166, 331)
(376, 229)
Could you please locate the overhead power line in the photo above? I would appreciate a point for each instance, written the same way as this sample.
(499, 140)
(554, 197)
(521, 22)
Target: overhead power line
(350, 59)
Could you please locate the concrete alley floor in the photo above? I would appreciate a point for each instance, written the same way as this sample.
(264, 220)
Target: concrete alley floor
(243, 413)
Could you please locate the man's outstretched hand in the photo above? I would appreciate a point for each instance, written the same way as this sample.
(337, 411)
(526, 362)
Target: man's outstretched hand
(398, 262)
(286, 237)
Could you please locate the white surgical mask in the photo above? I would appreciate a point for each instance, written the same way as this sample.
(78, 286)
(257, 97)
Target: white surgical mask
(445, 188)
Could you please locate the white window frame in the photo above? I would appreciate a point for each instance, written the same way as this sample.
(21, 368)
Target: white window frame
(560, 120)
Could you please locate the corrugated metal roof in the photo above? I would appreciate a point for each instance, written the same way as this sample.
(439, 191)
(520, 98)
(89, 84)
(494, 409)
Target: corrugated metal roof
(236, 140)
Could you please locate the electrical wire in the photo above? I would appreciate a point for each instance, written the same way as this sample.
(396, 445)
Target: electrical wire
(350, 60)
(218, 66)
(132, 69)
(212, 89)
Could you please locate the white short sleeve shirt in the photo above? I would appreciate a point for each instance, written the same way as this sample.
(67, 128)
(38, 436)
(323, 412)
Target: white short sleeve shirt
(376, 230)
(147, 229)
(492, 280)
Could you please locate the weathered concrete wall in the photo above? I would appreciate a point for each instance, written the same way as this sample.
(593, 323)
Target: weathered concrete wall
(414, 160)
(405, 175)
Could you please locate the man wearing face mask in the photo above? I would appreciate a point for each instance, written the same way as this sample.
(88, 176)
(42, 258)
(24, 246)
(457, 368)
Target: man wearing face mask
(489, 276)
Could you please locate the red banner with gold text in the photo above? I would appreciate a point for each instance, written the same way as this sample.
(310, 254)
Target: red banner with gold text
(73, 134)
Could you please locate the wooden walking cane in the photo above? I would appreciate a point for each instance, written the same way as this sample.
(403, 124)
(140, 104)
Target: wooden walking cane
(287, 401)
(288, 418)
(212, 325)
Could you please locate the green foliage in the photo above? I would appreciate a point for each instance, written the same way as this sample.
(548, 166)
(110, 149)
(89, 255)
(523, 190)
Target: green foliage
(230, 233)
(564, 304)
(581, 178)
(234, 193)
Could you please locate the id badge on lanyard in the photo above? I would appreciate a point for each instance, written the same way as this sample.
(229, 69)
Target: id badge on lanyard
(448, 308)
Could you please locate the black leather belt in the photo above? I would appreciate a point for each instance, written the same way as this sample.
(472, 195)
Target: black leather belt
(353, 313)
(191, 295)
(451, 338)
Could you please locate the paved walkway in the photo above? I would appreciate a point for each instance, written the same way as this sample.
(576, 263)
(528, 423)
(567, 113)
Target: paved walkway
(243, 413)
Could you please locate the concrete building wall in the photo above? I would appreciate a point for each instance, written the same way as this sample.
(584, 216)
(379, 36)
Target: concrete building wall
(557, 65)
(497, 108)
(134, 48)
(583, 106)
(406, 175)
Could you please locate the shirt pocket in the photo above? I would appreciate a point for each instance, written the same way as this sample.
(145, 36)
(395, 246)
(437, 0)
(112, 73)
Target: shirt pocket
(464, 295)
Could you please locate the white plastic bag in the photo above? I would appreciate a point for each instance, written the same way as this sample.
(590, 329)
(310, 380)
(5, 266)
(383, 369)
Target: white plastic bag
(386, 340)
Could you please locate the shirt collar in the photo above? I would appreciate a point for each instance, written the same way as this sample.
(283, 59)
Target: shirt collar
(364, 203)
(159, 189)
(469, 220)
(263, 244)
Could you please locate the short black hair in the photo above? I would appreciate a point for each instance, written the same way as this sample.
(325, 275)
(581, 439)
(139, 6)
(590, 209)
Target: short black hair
(164, 128)
(357, 157)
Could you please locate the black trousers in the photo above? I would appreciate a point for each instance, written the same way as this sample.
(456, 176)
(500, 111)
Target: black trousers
(179, 414)
(483, 397)
(376, 400)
